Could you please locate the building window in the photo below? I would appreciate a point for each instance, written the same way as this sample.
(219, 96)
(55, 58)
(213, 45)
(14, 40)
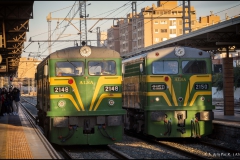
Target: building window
(156, 39)
(172, 31)
(180, 22)
(180, 31)
(163, 30)
(155, 22)
(172, 22)
(163, 22)
(156, 30)
(174, 12)
(163, 39)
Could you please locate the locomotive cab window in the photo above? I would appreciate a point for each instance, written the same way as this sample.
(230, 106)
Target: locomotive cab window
(102, 67)
(194, 67)
(69, 68)
(165, 67)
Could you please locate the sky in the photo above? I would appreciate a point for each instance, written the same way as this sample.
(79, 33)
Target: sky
(38, 26)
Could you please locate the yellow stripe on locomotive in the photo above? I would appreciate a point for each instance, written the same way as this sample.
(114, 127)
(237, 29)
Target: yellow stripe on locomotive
(167, 92)
(79, 96)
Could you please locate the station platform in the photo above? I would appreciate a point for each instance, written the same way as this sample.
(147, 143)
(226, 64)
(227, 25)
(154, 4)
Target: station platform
(20, 140)
(221, 117)
(227, 120)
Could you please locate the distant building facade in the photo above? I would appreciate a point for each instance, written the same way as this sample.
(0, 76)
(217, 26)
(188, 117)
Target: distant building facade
(153, 25)
(27, 67)
(25, 77)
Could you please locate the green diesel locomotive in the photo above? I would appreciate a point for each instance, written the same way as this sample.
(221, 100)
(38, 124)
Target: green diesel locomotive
(167, 93)
(79, 96)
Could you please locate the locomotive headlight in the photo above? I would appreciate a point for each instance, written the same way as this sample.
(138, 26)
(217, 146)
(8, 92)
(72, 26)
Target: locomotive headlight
(61, 103)
(111, 102)
(157, 99)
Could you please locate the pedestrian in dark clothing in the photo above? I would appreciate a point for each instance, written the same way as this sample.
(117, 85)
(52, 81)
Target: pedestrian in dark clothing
(10, 100)
(1, 113)
(4, 104)
(16, 100)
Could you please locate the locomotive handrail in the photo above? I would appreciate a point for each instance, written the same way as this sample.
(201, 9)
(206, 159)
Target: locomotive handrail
(111, 77)
(156, 76)
(202, 75)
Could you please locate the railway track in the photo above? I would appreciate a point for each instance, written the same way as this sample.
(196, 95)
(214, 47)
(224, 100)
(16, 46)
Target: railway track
(167, 145)
(103, 152)
(38, 130)
(94, 152)
(222, 147)
(193, 150)
(196, 149)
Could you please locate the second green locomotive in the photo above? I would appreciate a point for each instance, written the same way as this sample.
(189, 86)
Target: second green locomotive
(168, 93)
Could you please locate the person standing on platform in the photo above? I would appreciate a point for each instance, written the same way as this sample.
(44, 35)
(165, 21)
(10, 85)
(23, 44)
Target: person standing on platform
(10, 100)
(16, 100)
(3, 98)
(1, 113)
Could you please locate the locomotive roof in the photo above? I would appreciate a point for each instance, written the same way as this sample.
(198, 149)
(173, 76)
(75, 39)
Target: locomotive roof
(74, 52)
(170, 53)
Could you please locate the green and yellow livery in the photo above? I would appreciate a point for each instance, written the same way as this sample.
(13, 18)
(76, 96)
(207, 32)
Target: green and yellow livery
(167, 92)
(79, 96)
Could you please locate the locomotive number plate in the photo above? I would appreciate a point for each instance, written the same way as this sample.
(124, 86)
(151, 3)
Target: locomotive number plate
(201, 86)
(158, 87)
(61, 89)
(111, 88)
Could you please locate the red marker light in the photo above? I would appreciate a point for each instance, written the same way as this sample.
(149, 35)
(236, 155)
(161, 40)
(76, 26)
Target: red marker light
(166, 78)
(157, 54)
(70, 81)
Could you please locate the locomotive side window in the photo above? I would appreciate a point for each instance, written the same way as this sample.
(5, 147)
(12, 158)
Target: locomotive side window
(194, 67)
(69, 68)
(165, 67)
(102, 67)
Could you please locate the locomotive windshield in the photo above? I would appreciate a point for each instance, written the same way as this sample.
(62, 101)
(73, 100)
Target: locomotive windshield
(102, 67)
(194, 67)
(69, 68)
(165, 67)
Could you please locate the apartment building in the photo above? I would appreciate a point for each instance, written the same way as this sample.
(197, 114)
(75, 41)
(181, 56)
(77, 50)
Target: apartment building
(125, 34)
(113, 38)
(153, 25)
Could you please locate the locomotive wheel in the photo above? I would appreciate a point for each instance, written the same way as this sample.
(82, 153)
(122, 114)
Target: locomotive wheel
(46, 127)
(40, 118)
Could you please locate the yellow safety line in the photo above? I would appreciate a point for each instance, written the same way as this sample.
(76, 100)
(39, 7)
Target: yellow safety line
(17, 145)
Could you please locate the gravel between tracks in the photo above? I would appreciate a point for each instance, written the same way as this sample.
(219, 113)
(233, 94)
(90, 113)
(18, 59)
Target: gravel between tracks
(139, 149)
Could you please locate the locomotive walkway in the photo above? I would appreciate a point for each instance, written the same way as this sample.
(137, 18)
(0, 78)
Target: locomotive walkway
(20, 140)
